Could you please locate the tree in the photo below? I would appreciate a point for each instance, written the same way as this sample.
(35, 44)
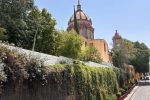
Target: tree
(90, 54)
(131, 53)
(141, 46)
(13, 14)
(49, 36)
(141, 60)
(75, 22)
(123, 54)
(117, 57)
(28, 27)
(71, 44)
(34, 27)
(43, 37)
(3, 37)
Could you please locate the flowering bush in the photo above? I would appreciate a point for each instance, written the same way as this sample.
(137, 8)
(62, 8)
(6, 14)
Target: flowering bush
(16, 68)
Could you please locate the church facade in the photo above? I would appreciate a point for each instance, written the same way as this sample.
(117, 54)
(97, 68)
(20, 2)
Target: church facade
(86, 31)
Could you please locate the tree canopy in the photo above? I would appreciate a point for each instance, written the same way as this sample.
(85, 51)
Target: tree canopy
(41, 31)
(141, 60)
(24, 25)
(132, 53)
(90, 54)
(71, 44)
(3, 37)
(13, 14)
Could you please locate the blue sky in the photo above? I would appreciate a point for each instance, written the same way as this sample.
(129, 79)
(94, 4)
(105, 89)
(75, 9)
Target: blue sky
(130, 17)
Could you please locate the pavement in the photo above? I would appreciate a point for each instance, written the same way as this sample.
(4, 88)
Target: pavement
(139, 93)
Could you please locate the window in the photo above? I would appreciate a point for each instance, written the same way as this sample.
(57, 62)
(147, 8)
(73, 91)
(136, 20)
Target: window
(85, 44)
(84, 32)
(104, 47)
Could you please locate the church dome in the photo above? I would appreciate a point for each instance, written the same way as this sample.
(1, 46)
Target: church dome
(84, 23)
(80, 16)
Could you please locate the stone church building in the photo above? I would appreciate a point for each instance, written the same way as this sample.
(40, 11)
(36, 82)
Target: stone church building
(86, 30)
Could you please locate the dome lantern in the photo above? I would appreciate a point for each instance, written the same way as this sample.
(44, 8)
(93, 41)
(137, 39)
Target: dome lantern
(116, 36)
(79, 5)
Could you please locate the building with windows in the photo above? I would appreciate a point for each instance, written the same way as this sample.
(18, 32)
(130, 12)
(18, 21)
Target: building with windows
(86, 30)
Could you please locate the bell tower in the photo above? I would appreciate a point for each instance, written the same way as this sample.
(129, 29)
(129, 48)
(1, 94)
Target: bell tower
(116, 39)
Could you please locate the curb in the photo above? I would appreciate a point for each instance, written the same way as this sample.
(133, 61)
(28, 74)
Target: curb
(131, 93)
(127, 93)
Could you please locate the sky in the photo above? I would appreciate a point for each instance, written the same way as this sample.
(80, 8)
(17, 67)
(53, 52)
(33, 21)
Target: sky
(130, 17)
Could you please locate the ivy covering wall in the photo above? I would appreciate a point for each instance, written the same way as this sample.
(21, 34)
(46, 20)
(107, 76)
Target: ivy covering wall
(28, 79)
(88, 83)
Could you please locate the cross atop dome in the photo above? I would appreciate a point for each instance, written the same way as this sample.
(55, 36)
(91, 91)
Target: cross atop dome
(78, 2)
(79, 5)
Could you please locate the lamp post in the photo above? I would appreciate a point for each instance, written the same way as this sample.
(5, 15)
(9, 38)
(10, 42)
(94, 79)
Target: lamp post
(34, 41)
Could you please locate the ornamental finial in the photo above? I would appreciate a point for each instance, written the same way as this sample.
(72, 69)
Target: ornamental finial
(78, 2)
(116, 31)
(79, 5)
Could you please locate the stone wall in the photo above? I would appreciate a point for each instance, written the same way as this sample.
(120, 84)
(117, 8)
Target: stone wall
(36, 92)
(61, 82)
(49, 59)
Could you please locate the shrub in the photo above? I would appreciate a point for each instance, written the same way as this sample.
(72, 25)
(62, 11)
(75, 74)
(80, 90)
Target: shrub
(111, 97)
(90, 54)
(85, 82)
(15, 68)
(88, 83)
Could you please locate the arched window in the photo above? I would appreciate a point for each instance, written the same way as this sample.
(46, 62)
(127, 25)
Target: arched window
(104, 47)
(84, 32)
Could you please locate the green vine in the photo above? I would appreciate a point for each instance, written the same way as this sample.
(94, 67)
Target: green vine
(89, 83)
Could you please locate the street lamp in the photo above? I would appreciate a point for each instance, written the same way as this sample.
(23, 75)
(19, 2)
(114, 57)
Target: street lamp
(34, 41)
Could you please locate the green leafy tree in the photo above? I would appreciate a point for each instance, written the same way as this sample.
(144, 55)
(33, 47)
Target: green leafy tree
(118, 57)
(75, 22)
(13, 14)
(71, 44)
(49, 37)
(123, 54)
(141, 60)
(133, 53)
(28, 27)
(140, 46)
(34, 23)
(90, 54)
(43, 36)
(3, 37)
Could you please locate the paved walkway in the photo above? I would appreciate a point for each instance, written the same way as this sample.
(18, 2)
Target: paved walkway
(140, 93)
